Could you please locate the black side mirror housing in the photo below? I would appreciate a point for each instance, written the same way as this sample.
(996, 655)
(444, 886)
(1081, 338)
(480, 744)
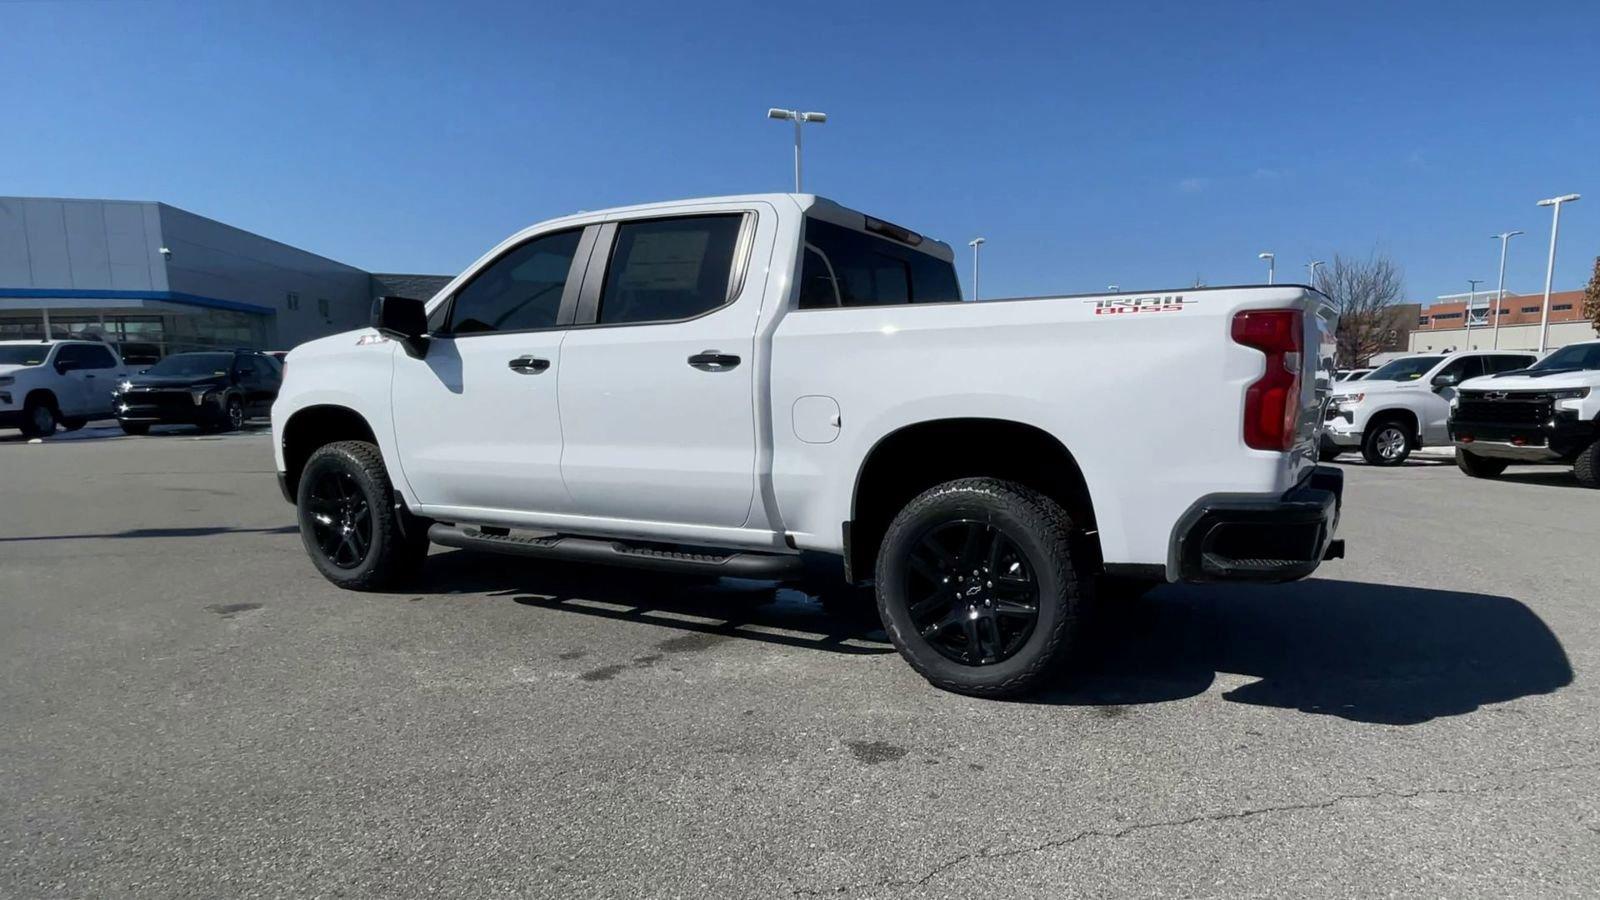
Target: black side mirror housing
(404, 319)
(1444, 381)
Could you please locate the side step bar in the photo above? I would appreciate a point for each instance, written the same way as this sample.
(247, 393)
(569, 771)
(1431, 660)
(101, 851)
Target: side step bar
(731, 563)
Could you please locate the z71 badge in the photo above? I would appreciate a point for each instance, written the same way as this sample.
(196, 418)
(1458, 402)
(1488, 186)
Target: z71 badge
(1118, 307)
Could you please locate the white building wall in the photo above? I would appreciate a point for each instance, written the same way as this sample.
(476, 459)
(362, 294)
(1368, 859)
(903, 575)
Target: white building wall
(1512, 337)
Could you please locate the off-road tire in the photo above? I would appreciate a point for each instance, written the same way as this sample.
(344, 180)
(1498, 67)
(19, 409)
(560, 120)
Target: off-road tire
(1586, 468)
(1479, 466)
(396, 549)
(1041, 530)
(1375, 432)
(34, 414)
(135, 428)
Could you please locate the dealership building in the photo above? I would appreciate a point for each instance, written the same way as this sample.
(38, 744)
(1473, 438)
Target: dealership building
(156, 279)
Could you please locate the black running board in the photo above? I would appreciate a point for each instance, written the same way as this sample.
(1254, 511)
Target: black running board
(604, 551)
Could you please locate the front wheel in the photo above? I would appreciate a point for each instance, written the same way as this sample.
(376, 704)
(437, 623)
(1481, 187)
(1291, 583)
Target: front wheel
(349, 522)
(38, 419)
(1479, 466)
(1386, 444)
(1586, 468)
(978, 588)
(135, 428)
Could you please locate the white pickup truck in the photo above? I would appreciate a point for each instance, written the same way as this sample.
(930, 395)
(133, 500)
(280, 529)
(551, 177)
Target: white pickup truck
(1546, 413)
(778, 387)
(45, 383)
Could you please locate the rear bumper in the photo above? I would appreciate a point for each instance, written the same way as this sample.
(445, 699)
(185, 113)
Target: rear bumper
(1234, 537)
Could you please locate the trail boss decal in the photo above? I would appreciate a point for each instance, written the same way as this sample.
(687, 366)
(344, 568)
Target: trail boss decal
(1120, 307)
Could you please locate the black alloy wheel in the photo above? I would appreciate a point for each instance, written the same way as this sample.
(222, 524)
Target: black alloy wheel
(340, 516)
(971, 592)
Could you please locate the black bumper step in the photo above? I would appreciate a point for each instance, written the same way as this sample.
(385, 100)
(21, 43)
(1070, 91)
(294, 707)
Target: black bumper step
(732, 563)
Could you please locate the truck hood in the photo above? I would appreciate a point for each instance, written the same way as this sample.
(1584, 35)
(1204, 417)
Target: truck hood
(1346, 388)
(16, 369)
(1550, 380)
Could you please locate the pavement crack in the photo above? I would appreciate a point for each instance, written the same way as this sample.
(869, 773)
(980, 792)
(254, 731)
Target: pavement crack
(1229, 816)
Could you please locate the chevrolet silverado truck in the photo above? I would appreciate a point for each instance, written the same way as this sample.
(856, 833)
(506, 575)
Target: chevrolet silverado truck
(1546, 413)
(45, 383)
(777, 387)
(1404, 404)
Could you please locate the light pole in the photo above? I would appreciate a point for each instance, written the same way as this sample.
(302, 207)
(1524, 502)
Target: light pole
(1500, 295)
(1550, 266)
(975, 243)
(799, 118)
(1272, 265)
(1311, 269)
(1472, 300)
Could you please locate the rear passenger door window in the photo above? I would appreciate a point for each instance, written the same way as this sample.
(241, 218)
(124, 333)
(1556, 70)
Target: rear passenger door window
(520, 291)
(872, 271)
(667, 270)
(1508, 363)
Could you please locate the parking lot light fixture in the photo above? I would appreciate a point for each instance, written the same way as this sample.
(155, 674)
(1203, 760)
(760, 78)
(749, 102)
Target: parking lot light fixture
(1311, 270)
(1550, 265)
(1272, 264)
(975, 243)
(798, 118)
(1500, 295)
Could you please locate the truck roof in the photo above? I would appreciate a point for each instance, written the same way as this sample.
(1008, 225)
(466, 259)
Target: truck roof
(813, 204)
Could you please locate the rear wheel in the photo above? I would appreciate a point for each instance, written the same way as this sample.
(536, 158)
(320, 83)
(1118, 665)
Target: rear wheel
(1328, 454)
(349, 523)
(1387, 444)
(73, 424)
(1587, 466)
(39, 418)
(978, 588)
(1479, 466)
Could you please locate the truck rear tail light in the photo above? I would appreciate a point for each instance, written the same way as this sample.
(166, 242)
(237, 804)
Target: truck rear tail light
(1272, 402)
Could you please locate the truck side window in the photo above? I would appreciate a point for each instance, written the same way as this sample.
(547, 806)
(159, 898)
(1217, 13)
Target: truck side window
(1508, 363)
(874, 271)
(667, 269)
(519, 291)
(1464, 368)
(818, 288)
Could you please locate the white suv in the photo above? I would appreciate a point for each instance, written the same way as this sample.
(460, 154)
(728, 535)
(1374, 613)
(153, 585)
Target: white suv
(48, 383)
(1405, 404)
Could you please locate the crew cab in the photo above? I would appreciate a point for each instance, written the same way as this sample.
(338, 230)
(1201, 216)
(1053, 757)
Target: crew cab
(1547, 413)
(778, 387)
(214, 389)
(44, 384)
(1404, 404)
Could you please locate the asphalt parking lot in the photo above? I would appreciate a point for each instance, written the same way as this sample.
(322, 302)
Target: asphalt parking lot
(190, 710)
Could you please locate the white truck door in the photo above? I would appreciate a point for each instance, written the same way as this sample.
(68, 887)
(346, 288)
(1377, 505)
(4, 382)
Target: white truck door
(657, 388)
(71, 384)
(1436, 424)
(475, 416)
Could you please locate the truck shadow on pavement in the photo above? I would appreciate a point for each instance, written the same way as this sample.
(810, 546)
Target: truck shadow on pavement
(1365, 652)
(727, 607)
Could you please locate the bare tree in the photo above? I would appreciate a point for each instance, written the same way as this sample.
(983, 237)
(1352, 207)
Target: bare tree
(1365, 293)
(1591, 297)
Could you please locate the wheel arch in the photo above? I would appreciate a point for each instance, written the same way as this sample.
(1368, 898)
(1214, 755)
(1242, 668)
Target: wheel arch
(900, 465)
(42, 394)
(1404, 415)
(316, 426)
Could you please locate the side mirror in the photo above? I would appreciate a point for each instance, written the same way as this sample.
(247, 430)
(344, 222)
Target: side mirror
(404, 319)
(63, 367)
(1445, 380)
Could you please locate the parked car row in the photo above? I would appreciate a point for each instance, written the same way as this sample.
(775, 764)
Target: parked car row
(1493, 407)
(48, 384)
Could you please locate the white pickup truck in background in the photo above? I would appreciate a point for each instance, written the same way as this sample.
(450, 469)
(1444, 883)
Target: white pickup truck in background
(778, 387)
(1546, 413)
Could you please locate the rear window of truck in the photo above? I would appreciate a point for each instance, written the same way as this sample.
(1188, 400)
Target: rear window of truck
(844, 267)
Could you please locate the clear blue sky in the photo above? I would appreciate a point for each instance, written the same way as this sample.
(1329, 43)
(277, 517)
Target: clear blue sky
(1097, 143)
